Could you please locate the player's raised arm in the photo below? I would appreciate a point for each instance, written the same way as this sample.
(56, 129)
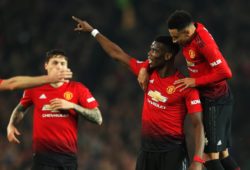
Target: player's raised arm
(112, 49)
(22, 82)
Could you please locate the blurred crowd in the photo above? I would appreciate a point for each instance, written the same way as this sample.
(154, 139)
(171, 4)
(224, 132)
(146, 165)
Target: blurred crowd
(30, 28)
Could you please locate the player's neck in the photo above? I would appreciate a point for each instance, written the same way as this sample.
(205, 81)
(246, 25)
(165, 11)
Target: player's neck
(166, 71)
(192, 30)
(56, 85)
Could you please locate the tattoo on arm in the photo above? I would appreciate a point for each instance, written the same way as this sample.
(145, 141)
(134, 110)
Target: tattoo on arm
(17, 115)
(93, 115)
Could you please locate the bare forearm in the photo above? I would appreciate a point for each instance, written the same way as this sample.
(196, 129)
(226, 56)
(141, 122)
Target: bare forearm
(20, 82)
(109, 47)
(112, 49)
(199, 139)
(93, 115)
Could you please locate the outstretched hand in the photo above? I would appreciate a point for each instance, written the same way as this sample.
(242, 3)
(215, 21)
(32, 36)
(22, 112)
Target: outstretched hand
(82, 25)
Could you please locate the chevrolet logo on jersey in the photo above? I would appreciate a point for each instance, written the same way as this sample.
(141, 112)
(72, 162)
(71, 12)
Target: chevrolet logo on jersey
(156, 96)
(47, 107)
(189, 63)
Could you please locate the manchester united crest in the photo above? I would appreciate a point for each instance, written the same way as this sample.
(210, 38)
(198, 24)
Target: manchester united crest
(68, 95)
(191, 54)
(170, 89)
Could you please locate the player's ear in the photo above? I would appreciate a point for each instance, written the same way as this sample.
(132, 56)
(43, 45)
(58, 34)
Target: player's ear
(45, 65)
(167, 56)
(187, 32)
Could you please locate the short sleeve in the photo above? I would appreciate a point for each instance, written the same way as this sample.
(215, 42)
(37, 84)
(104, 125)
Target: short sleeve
(86, 99)
(136, 65)
(26, 100)
(192, 100)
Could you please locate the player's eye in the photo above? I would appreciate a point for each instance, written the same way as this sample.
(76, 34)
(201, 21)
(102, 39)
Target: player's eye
(54, 62)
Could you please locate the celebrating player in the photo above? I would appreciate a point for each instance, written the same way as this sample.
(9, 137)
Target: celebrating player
(208, 72)
(164, 109)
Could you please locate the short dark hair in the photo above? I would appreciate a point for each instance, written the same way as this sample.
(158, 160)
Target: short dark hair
(54, 52)
(179, 20)
(168, 42)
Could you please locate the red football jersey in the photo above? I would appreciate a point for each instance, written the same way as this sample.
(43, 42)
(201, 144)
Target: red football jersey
(206, 64)
(164, 109)
(56, 131)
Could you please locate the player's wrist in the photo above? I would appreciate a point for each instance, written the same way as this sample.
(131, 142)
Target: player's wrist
(48, 79)
(94, 32)
(73, 106)
(198, 159)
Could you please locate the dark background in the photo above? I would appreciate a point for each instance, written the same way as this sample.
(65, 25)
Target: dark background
(29, 28)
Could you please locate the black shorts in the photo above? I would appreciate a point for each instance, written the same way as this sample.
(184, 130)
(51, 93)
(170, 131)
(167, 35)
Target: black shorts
(52, 167)
(170, 160)
(54, 161)
(217, 115)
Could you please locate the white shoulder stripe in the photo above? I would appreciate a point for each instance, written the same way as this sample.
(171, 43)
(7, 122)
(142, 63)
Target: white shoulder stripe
(90, 99)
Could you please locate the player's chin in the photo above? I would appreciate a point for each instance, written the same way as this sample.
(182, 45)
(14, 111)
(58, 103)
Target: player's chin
(151, 66)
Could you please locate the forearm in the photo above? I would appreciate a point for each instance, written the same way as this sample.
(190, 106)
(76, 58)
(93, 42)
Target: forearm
(212, 78)
(20, 82)
(109, 47)
(219, 67)
(93, 115)
(17, 115)
(199, 139)
(112, 49)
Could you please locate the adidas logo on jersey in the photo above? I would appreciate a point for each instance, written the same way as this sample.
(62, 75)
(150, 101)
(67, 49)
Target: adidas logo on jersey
(151, 81)
(219, 143)
(43, 96)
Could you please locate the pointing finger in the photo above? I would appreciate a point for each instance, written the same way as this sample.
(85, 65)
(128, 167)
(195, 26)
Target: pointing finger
(76, 19)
